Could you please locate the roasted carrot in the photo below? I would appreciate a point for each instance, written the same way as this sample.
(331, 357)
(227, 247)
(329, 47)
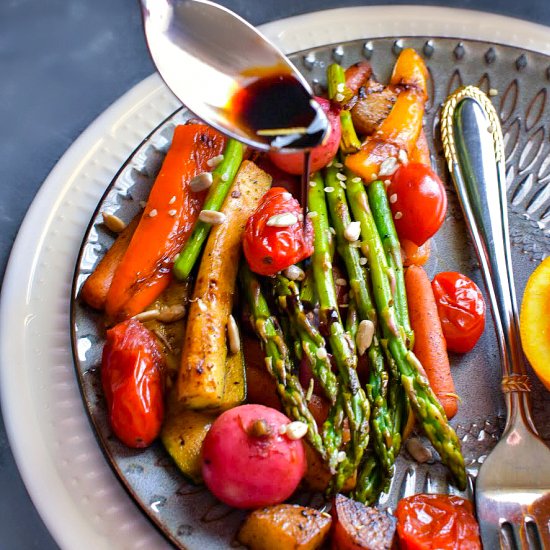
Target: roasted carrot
(421, 151)
(430, 346)
(166, 223)
(413, 254)
(95, 288)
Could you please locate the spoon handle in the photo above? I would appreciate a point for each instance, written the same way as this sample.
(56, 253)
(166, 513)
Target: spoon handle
(472, 139)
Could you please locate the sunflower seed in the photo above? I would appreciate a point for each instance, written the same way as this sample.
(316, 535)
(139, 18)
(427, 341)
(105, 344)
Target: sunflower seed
(352, 232)
(233, 335)
(365, 333)
(201, 182)
(112, 222)
(212, 217)
(296, 430)
(282, 220)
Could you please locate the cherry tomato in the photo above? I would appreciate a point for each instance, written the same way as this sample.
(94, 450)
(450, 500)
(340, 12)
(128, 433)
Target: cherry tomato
(268, 248)
(132, 380)
(445, 522)
(293, 163)
(461, 309)
(418, 202)
(247, 462)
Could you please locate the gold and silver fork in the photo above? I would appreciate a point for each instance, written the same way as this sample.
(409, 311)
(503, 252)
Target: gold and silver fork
(513, 485)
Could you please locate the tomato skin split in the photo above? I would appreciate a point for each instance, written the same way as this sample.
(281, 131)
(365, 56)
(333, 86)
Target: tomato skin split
(270, 249)
(461, 309)
(445, 522)
(133, 383)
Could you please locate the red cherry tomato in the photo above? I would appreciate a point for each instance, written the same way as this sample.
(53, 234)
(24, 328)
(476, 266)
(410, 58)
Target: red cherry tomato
(445, 522)
(293, 163)
(247, 462)
(270, 249)
(418, 202)
(461, 309)
(132, 380)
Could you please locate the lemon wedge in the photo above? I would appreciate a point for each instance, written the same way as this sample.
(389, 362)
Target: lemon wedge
(534, 321)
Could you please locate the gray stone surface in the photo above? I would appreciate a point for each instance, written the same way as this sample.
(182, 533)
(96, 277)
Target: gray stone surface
(62, 62)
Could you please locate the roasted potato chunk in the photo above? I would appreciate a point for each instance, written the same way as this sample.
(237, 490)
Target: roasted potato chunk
(285, 527)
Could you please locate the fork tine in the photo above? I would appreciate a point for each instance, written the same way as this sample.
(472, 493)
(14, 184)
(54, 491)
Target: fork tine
(490, 535)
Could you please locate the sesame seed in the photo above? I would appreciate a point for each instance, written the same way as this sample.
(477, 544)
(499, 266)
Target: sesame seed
(374, 177)
(341, 177)
(387, 182)
(340, 87)
(363, 261)
(339, 97)
(201, 305)
(343, 185)
(282, 429)
(493, 92)
(388, 167)
(352, 231)
(337, 165)
(214, 161)
(311, 215)
(402, 156)
(233, 335)
(332, 230)
(312, 183)
(356, 179)
(172, 212)
(282, 220)
(294, 273)
(153, 213)
(172, 200)
(329, 189)
(341, 456)
(340, 282)
(398, 215)
(393, 198)
(321, 353)
(225, 177)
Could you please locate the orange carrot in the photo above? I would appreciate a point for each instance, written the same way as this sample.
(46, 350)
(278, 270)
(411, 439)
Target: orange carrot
(413, 254)
(421, 151)
(95, 288)
(166, 223)
(430, 346)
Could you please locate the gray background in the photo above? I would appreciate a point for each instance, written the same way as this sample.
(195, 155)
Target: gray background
(62, 62)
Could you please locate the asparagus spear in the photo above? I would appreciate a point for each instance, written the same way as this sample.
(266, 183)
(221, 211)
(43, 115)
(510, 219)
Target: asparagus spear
(278, 361)
(421, 397)
(353, 399)
(223, 176)
(337, 92)
(381, 212)
(378, 377)
(311, 341)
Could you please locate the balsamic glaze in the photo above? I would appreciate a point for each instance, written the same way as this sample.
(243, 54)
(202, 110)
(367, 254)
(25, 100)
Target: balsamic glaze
(272, 106)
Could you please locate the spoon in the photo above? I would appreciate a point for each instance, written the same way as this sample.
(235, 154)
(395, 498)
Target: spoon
(206, 54)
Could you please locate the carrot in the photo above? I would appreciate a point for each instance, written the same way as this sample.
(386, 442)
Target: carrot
(166, 223)
(413, 254)
(421, 151)
(430, 346)
(96, 287)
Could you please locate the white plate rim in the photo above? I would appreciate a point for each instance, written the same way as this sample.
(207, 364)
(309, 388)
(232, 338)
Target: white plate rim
(67, 477)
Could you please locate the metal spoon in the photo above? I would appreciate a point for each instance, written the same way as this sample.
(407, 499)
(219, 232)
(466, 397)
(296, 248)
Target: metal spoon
(205, 53)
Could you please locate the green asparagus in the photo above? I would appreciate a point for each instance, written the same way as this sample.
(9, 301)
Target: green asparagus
(223, 176)
(278, 360)
(421, 397)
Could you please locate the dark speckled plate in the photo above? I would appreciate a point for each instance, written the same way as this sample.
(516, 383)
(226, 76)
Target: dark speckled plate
(518, 81)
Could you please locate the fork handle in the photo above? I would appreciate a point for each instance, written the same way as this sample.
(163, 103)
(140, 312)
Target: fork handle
(474, 148)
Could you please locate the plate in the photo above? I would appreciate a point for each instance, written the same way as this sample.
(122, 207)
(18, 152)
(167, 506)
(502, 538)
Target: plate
(189, 515)
(68, 479)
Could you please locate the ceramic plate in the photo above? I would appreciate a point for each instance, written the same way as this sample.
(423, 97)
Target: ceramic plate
(66, 474)
(189, 515)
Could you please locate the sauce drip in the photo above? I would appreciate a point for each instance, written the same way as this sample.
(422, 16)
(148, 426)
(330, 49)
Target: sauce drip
(277, 110)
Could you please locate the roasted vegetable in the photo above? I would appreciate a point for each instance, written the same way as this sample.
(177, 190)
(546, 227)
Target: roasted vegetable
(253, 456)
(285, 527)
(96, 287)
(360, 527)
(133, 383)
(171, 210)
(201, 378)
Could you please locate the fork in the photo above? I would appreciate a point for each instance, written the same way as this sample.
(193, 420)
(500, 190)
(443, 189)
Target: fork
(513, 485)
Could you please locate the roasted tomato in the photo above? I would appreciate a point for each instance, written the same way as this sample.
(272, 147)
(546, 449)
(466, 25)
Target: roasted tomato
(293, 163)
(445, 522)
(132, 380)
(461, 309)
(274, 236)
(247, 462)
(418, 202)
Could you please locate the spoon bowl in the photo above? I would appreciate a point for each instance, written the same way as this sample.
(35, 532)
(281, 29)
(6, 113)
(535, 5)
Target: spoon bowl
(205, 53)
